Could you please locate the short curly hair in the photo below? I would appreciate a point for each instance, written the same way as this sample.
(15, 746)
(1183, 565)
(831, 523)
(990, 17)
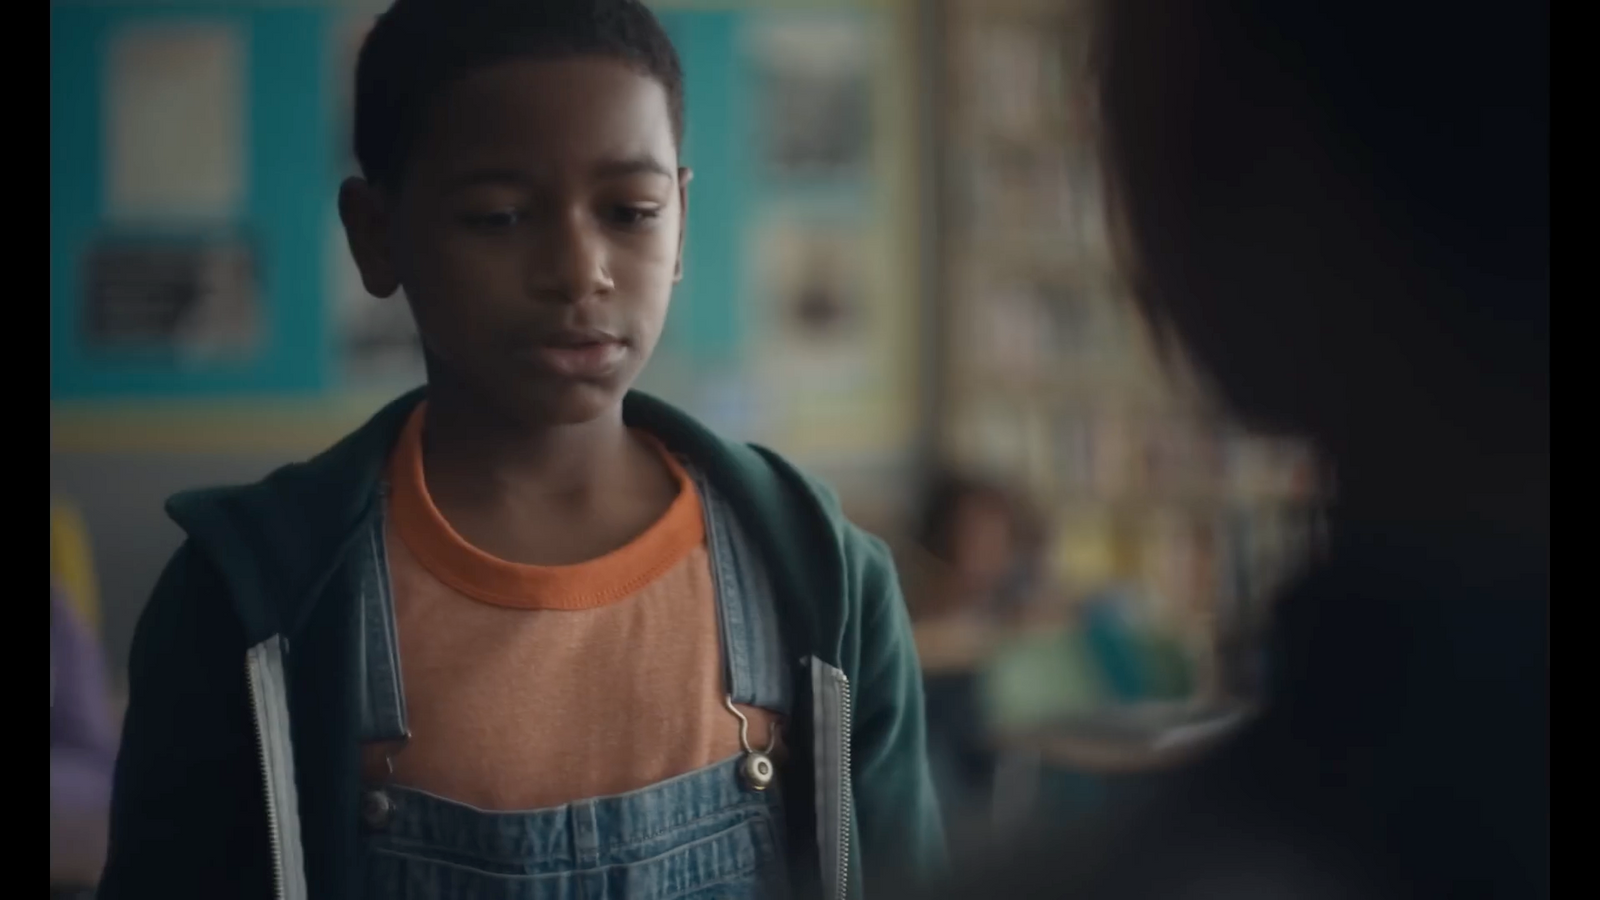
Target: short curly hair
(418, 47)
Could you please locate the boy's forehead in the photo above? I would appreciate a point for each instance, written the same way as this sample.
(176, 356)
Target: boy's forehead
(580, 115)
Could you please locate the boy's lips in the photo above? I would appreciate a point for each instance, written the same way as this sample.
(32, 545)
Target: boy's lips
(579, 337)
(579, 354)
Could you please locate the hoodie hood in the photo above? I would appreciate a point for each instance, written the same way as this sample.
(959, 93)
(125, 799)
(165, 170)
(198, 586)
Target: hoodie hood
(277, 542)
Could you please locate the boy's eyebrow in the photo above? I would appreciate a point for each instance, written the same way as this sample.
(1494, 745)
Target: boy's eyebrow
(644, 164)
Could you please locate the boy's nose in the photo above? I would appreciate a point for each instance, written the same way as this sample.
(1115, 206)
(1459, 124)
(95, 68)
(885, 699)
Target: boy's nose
(573, 268)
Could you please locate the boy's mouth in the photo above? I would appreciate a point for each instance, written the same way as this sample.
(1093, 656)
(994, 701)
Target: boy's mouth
(580, 337)
(580, 353)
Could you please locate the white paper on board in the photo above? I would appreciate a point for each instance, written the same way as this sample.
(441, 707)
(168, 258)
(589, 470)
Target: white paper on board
(175, 122)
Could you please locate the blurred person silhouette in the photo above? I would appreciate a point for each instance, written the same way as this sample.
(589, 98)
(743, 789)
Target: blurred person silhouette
(1341, 210)
(972, 549)
(979, 540)
(83, 748)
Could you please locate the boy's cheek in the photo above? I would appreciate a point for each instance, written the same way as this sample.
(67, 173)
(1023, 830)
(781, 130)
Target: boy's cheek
(466, 276)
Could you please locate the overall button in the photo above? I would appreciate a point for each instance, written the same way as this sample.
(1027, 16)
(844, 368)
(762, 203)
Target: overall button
(757, 771)
(376, 809)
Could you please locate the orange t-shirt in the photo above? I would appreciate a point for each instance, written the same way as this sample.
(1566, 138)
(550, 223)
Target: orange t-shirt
(532, 686)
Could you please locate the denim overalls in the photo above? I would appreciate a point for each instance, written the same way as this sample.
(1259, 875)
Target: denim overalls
(705, 835)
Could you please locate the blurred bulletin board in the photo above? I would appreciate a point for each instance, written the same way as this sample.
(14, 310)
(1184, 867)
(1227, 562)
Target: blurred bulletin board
(831, 283)
(183, 258)
(202, 296)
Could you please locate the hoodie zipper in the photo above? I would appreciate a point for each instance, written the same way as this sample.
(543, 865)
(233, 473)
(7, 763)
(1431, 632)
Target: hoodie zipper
(269, 711)
(252, 673)
(831, 710)
(848, 796)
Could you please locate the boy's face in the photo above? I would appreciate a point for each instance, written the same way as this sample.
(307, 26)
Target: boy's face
(537, 232)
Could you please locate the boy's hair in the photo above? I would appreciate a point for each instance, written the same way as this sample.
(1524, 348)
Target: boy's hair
(420, 46)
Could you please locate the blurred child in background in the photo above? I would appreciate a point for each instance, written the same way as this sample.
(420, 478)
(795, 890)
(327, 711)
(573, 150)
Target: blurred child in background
(83, 748)
(971, 577)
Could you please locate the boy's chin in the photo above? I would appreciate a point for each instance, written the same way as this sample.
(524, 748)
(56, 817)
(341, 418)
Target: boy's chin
(572, 403)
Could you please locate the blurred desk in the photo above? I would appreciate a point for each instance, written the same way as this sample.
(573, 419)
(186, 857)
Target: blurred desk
(1140, 738)
(1070, 767)
(958, 643)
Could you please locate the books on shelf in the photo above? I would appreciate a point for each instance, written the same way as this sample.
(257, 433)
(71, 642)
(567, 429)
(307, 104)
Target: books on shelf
(1015, 86)
(1097, 452)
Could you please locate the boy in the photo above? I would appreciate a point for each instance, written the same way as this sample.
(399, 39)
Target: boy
(524, 634)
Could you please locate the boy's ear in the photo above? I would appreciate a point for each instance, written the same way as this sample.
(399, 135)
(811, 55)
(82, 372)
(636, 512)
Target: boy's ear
(363, 209)
(685, 175)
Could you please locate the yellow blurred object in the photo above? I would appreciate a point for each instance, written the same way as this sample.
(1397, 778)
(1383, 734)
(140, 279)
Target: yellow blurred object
(1085, 552)
(71, 564)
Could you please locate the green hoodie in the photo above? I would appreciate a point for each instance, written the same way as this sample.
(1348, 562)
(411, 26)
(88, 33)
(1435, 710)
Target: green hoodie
(251, 634)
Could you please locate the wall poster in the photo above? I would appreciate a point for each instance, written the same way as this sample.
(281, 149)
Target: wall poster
(816, 87)
(194, 302)
(175, 123)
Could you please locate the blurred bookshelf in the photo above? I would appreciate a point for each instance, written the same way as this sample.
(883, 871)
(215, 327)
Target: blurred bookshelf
(1049, 380)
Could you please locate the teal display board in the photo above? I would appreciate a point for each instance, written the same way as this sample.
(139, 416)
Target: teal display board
(289, 176)
(706, 326)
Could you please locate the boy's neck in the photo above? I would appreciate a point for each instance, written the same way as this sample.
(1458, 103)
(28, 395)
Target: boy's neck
(552, 495)
(466, 448)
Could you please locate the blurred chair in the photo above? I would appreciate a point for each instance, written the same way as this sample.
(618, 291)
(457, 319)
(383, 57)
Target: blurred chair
(1091, 715)
(1137, 664)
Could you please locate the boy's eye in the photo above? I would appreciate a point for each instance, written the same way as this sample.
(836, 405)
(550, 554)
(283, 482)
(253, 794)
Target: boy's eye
(633, 216)
(499, 220)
